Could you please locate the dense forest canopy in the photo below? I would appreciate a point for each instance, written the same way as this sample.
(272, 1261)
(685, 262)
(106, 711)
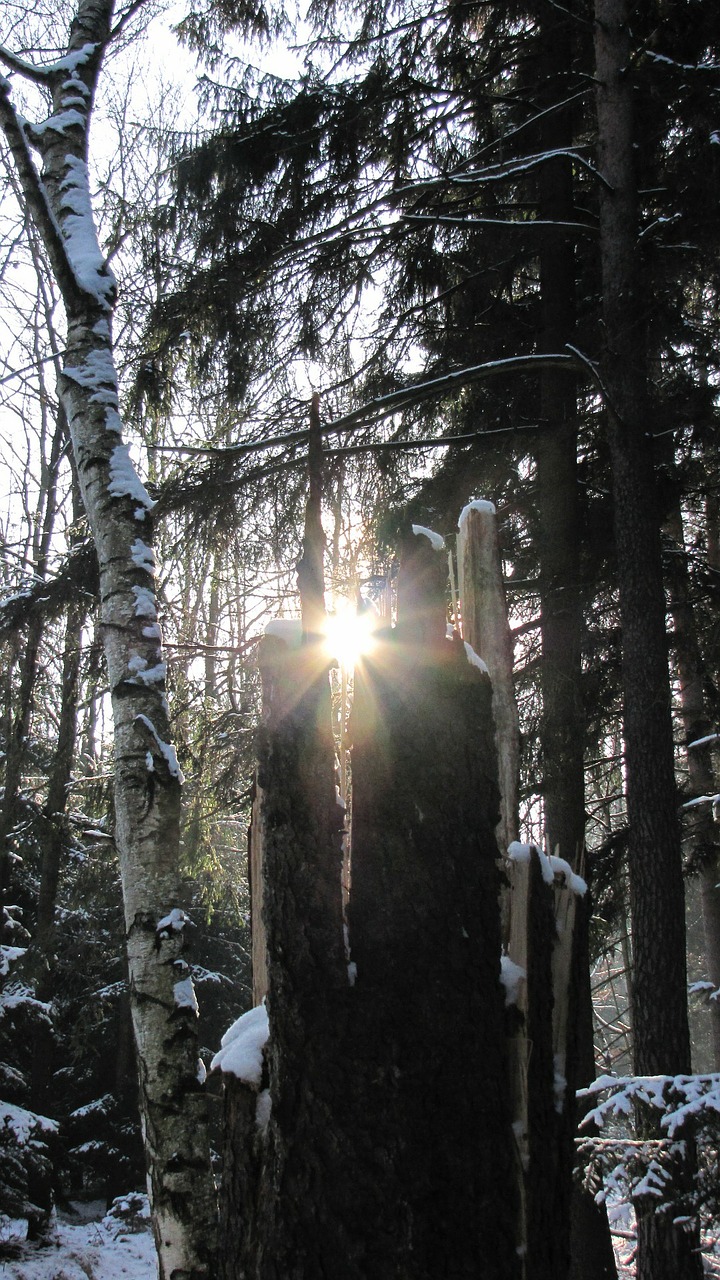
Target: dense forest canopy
(380, 262)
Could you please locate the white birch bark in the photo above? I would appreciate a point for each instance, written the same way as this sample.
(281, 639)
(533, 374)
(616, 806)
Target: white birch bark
(147, 777)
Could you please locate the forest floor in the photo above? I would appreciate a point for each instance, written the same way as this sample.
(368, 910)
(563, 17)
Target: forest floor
(90, 1244)
(87, 1244)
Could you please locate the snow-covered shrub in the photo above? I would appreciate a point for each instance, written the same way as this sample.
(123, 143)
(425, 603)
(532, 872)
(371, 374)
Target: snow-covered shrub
(130, 1213)
(26, 1168)
(26, 1139)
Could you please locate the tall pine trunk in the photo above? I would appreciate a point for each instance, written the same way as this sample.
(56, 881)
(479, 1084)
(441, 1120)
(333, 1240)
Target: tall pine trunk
(698, 724)
(659, 990)
(581, 1240)
(53, 842)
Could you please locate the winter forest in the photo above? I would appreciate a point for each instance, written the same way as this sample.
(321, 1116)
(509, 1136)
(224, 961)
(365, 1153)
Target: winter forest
(360, 678)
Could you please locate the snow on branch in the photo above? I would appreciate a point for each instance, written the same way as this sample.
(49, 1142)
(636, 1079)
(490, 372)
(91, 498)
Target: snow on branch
(698, 800)
(41, 75)
(24, 1125)
(174, 922)
(434, 388)
(704, 742)
(38, 75)
(510, 224)
(498, 172)
(7, 957)
(682, 66)
(677, 1097)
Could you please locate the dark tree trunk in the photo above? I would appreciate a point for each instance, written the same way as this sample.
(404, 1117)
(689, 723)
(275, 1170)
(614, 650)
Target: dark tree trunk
(659, 992)
(699, 722)
(546, 1253)
(54, 836)
(283, 1209)
(388, 1151)
(60, 776)
(592, 1253)
(15, 753)
(563, 722)
(425, 934)
(710, 873)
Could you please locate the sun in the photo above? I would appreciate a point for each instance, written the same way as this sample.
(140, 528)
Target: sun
(349, 635)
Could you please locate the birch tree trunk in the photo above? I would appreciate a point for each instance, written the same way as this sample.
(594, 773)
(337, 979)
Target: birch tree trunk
(147, 776)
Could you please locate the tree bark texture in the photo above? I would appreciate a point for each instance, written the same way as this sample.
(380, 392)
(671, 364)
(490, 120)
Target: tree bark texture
(710, 872)
(310, 566)
(54, 840)
(425, 934)
(283, 1193)
(659, 991)
(563, 730)
(698, 723)
(388, 1150)
(15, 754)
(147, 777)
(546, 1252)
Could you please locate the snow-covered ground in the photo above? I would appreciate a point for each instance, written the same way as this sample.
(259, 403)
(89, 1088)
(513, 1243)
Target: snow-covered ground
(86, 1245)
(92, 1245)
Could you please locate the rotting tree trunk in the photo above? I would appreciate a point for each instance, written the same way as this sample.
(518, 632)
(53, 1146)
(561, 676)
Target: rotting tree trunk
(387, 1152)
(147, 777)
(285, 1159)
(425, 935)
(661, 1038)
(280, 1213)
(486, 629)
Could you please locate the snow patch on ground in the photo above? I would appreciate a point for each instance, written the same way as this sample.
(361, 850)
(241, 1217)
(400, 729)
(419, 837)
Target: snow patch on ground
(80, 1248)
